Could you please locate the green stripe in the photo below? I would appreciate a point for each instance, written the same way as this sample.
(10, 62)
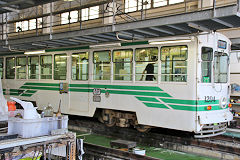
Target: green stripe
(41, 84)
(40, 88)
(148, 99)
(179, 101)
(189, 102)
(26, 95)
(156, 105)
(138, 93)
(67, 49)
(134, 43)
(150, 88)
(30, 91)
(14, 94)
(192, 108)
(4, 89)
(202, 102)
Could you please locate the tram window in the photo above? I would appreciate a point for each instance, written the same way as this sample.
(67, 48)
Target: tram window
(221, 67)
(1, 68)
(207, 54)
(33, 67)
(80, 66)
(174, 65)
(21, 67)
(102, 65)
(122, 64)
(46, 67)
(60, 67)
(146, 66)
(10, 68)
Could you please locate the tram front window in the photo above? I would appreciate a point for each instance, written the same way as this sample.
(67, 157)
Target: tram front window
(207, 54)
(102, 65)
(221, 67)
(1, 68)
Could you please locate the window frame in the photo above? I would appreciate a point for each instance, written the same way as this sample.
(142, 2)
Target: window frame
(185, 60)
(40, 74)
(211, 65)
(2, 76)
(6, 77)
(214, 67)
(39, 68)
(54, 64)
(146, 48)
(130, 62)
(88, 56)
(26, 65)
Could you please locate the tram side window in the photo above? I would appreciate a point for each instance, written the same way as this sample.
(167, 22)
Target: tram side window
(33, 67)
(146, 67)
(80, 66)
(102, 65)
(122, 64)
(46, 67)
(10, 68)
(21, 67)
(207, 56)
(174, 64)
(1, 68)
(221, 67)
(60, 67)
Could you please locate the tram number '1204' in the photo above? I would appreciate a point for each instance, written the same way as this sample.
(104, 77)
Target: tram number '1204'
(210, 98)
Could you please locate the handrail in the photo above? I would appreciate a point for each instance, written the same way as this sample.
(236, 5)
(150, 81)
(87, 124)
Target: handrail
(116, 16)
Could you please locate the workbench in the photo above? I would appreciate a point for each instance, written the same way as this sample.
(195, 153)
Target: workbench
(43, 144)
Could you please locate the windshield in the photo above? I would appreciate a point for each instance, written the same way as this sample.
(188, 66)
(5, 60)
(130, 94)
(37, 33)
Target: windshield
(221, 63)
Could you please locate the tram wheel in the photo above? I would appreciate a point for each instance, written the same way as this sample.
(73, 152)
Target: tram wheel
(143, 128)
(111, 122)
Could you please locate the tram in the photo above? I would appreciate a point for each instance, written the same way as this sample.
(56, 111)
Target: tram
(185, 88)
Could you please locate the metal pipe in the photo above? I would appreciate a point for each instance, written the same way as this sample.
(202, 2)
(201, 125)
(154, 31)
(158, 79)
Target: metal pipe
(51, 20)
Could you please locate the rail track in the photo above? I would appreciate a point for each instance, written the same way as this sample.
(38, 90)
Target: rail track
(223, 147)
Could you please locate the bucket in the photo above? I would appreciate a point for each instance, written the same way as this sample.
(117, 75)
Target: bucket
(11, 106)
(139, 151)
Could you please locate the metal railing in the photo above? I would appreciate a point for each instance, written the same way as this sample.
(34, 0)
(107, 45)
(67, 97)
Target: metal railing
(111, 12)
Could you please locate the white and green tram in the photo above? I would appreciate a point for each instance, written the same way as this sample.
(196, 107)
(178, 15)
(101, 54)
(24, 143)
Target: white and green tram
(189, 89)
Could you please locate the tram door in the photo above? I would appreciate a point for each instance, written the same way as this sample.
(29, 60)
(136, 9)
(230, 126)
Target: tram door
(79, 86)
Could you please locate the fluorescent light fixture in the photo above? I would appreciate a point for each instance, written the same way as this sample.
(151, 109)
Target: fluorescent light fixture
(35, 52)
(106, 45)
(169, 42)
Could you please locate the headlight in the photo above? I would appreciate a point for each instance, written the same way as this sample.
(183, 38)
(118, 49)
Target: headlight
(223, 102)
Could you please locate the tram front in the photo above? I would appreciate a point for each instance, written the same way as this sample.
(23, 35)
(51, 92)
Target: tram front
(213, 87)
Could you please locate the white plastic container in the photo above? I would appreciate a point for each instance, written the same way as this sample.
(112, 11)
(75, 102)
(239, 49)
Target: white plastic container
(27, 128)
(139, 151)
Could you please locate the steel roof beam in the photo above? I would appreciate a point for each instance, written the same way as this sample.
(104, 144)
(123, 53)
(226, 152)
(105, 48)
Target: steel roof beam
(63, 41)
(198, 27)
(85, 39)
(179, 28)
(223, 23)
(106, 36)
(95, 38)
(76, 40)
(133, 35)
(145, 32)
(235, 41)
(162, 30)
